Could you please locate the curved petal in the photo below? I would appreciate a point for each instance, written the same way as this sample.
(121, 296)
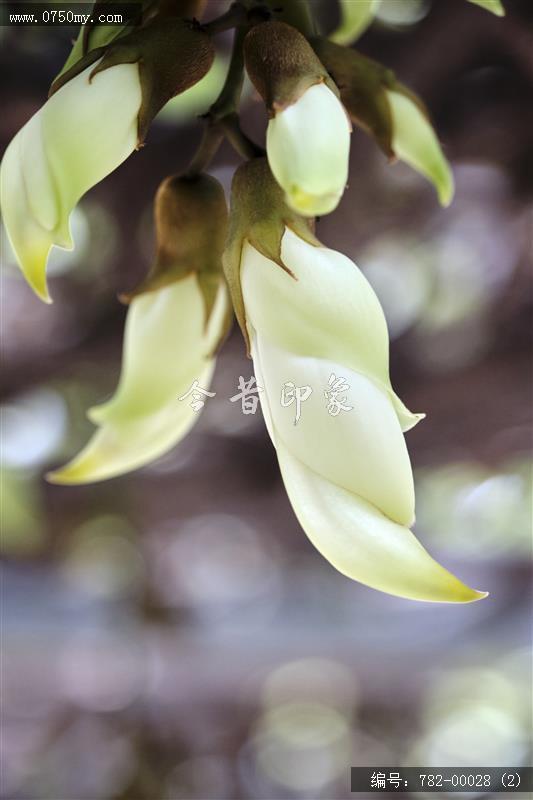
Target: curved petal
(82, 133)
(491, 5)
(362, 543)
(164, 341)
(415, 142)
(145, 418)
(355, 19)
(90, 128)
(30, 241)
(119, 447)
(361, 449)
(308, 145)
(330, 311)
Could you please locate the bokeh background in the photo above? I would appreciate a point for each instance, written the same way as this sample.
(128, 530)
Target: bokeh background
(172, 634)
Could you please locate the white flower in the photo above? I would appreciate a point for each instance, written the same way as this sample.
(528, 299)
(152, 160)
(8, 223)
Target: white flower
(81, 134)
(308, 145)
(167, 347)
(415, 142)
(348, 476)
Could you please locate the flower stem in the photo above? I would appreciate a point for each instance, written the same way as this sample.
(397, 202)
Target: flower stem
(234, 17)
(210, 142)
(297, 13)
(229, 98)
(244, 146)
(222, 119)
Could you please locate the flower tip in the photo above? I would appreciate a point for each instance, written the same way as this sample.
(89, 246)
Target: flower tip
(464, 594)
(445, 188)
(40, 288)
(311, 205)
(63, 476)
(32, 262)
(86, 467)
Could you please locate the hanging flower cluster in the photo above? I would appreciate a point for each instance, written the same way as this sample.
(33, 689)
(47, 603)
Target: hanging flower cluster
(305, 311)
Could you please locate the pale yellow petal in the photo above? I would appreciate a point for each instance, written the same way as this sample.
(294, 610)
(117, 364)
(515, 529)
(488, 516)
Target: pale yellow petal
(308, 145)
(495, 6)
(82, 133)
(356, 16)
(415, 142)
(364, 544)
(361, 449)
(119, 447)
(330, 311)
(167, 348)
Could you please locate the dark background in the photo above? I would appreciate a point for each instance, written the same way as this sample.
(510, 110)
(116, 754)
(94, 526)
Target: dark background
(172, 633)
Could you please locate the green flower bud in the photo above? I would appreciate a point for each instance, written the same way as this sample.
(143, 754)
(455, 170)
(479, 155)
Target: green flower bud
(175, 322)
(390, 112)
(308, 135)
(97, 115)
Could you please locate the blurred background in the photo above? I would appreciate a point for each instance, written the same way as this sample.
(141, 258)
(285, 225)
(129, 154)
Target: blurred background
(172, 634)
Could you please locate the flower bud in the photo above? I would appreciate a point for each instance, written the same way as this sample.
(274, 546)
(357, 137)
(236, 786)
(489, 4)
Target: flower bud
(308, 135)
(355, 19)
(390, 112)
(347, 474)
(97, 115)
(175, 323)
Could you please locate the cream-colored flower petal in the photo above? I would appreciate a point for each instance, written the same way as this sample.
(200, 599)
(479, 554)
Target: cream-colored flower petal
(29, 240)
(90, 128)
(356, 16)
(362, 449)
(416, 143)
(491, 5)
(119, 447)
(329, 312)
(164, 341)
(38, 183)
(166, 349)
(364, 544)
(82, 133)
(308, 146)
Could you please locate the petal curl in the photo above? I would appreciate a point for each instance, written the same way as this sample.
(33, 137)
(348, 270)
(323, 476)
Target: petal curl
(166, 349)
(364, 544)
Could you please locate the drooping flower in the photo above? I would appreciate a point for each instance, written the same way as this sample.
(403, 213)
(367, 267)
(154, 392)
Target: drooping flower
(347, 473)
(308, 135)
(175, 322)
(97, 115)
(81, 134)
(390, 112)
